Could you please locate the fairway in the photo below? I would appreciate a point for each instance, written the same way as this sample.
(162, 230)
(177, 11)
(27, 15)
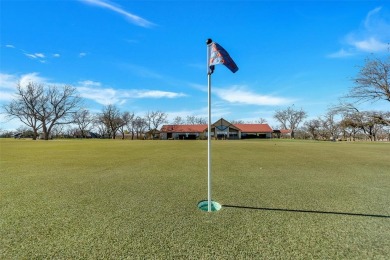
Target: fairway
(121, 199)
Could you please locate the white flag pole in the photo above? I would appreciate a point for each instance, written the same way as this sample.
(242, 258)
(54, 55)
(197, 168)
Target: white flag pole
(209, 41)
(213, 205)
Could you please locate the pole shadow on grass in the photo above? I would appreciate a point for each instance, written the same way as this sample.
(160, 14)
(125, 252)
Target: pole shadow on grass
(307, 211)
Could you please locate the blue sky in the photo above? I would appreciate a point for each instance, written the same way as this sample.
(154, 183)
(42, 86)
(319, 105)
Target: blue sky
(151, 55)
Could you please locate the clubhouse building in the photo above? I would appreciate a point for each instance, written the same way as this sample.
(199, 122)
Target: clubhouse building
(221, 129)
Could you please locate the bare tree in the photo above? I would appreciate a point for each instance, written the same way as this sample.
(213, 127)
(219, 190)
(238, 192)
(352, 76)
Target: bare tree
(178, 121)
(126, 117)
(57, 107)
(83, 119)
(201, 120)
(237, 122)
(290, 118)
(373, 81)
(383, 118)
(43, 107)
(194, 120)
(191, 120)
(111, 118)
(154, 119)
(349, 127)
(68, 131)
(313, 128)
(99, 125)
(58, 131)
(24, 132)
(368, 122)
(371, 125)
(261, 121)
(131, 124)
(25, 106)
(139, 126)
(330, 126)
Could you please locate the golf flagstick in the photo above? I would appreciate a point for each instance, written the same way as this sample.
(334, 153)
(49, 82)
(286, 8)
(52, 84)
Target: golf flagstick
(209, 72)
(215, 55)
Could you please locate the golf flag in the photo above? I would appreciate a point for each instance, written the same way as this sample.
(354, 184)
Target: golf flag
(218, 55)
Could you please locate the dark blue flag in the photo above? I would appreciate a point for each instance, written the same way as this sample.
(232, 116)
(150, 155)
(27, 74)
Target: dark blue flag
(218, 55)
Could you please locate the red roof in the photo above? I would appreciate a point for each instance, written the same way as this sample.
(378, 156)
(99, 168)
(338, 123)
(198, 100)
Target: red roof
(254, 128)
(285, 131)
(184, 128)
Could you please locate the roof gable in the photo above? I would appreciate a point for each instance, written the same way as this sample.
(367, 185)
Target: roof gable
(222, 124)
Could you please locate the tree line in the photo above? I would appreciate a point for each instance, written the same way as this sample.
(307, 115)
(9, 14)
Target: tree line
(340, 122)
(48, 111)
(45, 116)
(346, 120)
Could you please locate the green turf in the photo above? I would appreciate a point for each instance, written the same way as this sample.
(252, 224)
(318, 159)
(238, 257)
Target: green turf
(120, 199)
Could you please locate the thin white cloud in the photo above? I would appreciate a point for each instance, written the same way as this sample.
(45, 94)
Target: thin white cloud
(90, 83)
(40, 55)
(129, 16)
(7, 86)
(371, 17)
(155, 94)
(88, 89)
(33, 77)
(373, 36)
(8, 83)
(104, 96)
(370, 45)
(6, 96)
(82, 54)
(32, 56)
(93, 90)
(341, 54)
(239, 95)
(36, 56)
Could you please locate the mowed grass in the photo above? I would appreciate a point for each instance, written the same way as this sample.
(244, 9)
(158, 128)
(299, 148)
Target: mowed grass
(116, 199)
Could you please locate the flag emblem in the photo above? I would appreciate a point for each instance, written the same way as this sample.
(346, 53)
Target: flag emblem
(218, 55)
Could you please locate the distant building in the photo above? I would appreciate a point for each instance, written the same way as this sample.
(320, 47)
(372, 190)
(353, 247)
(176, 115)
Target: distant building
(87, 134)
(282, 133)
(17, 135)
(152, 134)
(221, 129)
